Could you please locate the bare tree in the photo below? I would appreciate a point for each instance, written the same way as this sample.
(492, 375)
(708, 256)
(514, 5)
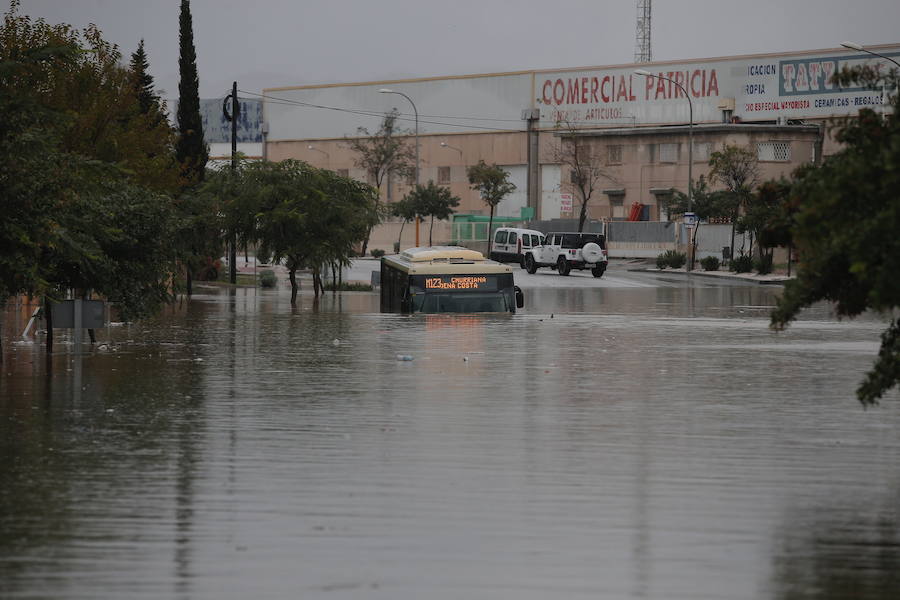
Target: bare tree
(584, 166)
(383, 153)
(736, 168)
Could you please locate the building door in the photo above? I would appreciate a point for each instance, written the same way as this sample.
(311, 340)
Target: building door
(511, 206)
(550, 192)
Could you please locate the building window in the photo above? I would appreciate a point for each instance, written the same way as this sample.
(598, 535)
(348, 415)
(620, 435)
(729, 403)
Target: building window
(702, 150)
(773, 151)
(443, 175)
(343, 172)
(614, 155)
(668, 153)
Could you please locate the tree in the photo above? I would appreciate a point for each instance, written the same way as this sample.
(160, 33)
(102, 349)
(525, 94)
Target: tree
(493, 183)
(350, 211)
(767, 216)
(406, 211)
(705, 204)
(383, 153)
(190, 149)
(305, 217)
(433, 201)
(585, 169)
(142, 81)
(845, 228)
(202, 216)
(737, 169)
(80, 210)
(33, 173)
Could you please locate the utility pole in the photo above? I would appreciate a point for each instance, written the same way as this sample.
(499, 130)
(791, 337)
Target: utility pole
(532, 116)
(233, 117)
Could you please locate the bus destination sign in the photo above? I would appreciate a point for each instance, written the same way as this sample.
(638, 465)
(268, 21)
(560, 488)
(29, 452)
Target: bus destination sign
(461, 283)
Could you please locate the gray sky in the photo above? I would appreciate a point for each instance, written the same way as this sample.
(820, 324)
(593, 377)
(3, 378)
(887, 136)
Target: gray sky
(274, 43)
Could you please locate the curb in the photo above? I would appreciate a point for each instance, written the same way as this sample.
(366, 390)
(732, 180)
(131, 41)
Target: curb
(772, 279)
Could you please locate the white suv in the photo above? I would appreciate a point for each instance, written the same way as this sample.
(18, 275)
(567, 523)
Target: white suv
(567, 251)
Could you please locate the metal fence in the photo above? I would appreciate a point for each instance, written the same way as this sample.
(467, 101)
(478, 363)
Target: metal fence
(625, 239)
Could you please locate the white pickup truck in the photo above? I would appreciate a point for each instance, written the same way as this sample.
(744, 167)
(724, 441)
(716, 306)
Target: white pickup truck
(566, 251)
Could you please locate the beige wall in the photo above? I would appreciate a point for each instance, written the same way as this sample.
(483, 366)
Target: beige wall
(640, 169)
(461, 152)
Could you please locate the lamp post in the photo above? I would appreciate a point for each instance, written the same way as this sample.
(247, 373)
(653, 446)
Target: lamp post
(690, 193)
(416, 113)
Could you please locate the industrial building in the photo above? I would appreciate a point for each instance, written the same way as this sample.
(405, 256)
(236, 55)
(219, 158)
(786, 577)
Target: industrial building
(636, 127)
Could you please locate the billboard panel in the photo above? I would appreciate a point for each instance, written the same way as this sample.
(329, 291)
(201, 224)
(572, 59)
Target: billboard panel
(217, 129)
(763, 87)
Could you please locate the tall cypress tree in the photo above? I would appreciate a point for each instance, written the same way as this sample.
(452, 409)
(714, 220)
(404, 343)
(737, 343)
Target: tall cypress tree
(190, 149)
(143, 81)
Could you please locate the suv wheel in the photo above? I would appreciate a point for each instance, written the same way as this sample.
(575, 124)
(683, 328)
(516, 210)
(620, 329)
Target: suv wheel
(522, 261)
(598, 270)
(562, 265)
(530, 265)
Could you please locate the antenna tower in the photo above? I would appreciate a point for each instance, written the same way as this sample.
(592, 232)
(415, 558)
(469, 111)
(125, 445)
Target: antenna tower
(642, 38)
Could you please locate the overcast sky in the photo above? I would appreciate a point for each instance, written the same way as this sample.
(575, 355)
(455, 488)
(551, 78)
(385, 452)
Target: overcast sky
(275, 43)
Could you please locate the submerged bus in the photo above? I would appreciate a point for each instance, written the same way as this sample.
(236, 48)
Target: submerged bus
(446, 279)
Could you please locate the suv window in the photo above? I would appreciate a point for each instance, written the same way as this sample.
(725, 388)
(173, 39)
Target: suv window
(578, 240)
(500, 237)
(572, 240)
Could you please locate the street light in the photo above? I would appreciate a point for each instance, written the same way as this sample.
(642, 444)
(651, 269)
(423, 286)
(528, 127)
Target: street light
(446, 145)
(690, 151)
(311, 147)
(416, 112)
(859, 47)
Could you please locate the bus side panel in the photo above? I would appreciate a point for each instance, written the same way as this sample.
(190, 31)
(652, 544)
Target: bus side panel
(385, 286)
(394, 288)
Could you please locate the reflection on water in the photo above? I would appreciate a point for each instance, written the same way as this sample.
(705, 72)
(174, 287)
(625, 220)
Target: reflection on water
(645, 442)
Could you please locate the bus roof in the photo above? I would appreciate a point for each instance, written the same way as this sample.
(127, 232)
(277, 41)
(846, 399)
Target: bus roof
(429, 260)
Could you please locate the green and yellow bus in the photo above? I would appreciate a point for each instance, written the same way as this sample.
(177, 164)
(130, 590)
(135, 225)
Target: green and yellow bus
(447, 279)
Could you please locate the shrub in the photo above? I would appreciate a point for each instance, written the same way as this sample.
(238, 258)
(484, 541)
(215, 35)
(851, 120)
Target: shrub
(742, 264)
(267, 278)
(710, 263)
(377, 252)
(662, 261)
(763, 264)
(671, 258)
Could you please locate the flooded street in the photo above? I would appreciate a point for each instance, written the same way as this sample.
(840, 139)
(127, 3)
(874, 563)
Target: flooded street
(640, 436)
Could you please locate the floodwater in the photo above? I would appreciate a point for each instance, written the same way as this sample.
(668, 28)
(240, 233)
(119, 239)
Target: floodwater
(649, 438)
